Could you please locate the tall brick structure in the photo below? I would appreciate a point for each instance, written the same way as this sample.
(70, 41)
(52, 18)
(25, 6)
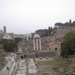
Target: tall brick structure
(4, 29)
(61, 31)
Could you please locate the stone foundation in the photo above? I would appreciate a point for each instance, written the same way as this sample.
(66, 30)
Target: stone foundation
(37, 54)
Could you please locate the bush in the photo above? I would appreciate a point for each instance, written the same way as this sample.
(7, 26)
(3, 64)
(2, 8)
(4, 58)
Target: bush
(68, 45)
(9, 46)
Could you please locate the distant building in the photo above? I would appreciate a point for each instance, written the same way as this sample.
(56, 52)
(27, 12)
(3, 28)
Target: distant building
(4, 29)
(61, 31)
(28, 36)
(1, 34)
(11, 35)
(47, 39)
(7, 36)
(55, 46)
(17, 35)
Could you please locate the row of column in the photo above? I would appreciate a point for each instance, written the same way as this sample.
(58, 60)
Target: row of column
(37, 44)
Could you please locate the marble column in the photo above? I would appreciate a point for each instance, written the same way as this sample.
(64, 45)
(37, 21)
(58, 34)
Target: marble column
(34, 43)
(40, 43)
(37, 43)
(27, 38)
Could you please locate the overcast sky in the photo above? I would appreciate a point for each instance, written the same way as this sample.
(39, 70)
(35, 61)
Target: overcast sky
(26, 16)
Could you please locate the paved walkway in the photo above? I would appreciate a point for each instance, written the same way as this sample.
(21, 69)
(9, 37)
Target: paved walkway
(5, 70)
(31, 66)
(21, 68)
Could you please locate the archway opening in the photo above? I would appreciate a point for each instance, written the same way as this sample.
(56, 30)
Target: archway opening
(55, 49)
(21, 57)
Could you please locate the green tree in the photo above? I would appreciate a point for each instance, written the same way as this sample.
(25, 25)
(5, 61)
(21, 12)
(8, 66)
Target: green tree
(49, 30)
(68, 45)
(73, 23)
(32, 35)
(58, 24)
(70, 22)
(65, 24)
(9, 46)
(45, 32)
(18, 39)
(4, 40)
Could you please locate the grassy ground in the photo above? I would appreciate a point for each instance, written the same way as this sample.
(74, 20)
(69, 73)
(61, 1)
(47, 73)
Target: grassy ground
(53, 63)
(4, 62)
(62, 73)
(74, 68)
(3, 65)
(60, 59)
(47, 66)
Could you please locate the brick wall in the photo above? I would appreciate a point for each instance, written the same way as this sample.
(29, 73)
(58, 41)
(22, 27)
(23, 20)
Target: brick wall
(1, 35)
(38, 54)
(61, 31)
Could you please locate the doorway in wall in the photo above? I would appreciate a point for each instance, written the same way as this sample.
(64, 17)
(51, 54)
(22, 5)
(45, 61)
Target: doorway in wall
(55, 49)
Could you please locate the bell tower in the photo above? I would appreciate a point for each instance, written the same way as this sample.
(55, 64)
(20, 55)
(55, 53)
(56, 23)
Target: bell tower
(4, 29)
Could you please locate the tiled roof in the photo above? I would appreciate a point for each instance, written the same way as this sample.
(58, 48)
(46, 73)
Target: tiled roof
(55, 42)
